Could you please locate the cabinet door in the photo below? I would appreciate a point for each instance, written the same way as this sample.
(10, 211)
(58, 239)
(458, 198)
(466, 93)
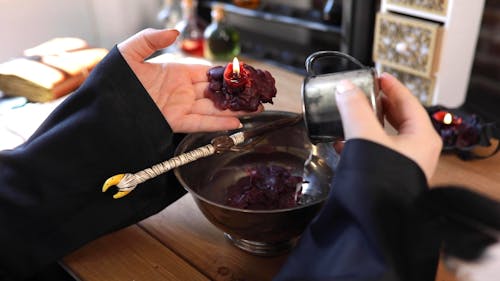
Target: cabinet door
(437, 7)
(421, 87)
(408, 44)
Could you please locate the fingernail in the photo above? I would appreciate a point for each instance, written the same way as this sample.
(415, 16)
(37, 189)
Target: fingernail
(240, 126)
(344, 86)
(176, 31)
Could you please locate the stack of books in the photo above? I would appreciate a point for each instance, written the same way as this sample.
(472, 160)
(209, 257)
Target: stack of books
(50, 70)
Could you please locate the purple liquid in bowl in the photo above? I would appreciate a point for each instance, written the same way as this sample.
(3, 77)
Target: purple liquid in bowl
(265, 188)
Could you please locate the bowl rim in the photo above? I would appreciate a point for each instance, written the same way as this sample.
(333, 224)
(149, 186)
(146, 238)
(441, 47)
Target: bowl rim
(266, 211)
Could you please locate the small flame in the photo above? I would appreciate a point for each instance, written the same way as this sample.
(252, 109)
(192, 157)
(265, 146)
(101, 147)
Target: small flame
(236, 67)
(448, 118)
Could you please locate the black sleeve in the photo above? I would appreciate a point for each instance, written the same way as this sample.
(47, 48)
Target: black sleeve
(50, 187)
(371, 227)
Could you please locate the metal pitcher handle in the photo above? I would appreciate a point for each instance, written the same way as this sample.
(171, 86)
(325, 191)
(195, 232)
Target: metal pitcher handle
(321, 54)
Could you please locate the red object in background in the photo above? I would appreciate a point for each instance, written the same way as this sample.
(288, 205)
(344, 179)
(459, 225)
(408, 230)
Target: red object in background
(249, 4)
(191, 27)
(456, 131)
(192, 46)
(447, 118)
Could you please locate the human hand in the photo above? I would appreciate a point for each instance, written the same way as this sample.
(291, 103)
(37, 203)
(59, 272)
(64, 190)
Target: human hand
(416, 139)
(177, 89)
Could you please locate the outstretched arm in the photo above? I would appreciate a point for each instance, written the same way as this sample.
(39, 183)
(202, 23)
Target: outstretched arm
(177, 89)
(371, 227)
(123, 118)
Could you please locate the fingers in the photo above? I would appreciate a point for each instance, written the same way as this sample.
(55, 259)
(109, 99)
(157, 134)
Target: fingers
(206, 123)
(206, 106)
(146, 42)
(198, 72)
(417, 138)
(402, 109)
(358, 118)
(199, 89)
(338, 146)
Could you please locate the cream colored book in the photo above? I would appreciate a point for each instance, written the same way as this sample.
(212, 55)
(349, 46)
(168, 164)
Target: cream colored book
(50, 70)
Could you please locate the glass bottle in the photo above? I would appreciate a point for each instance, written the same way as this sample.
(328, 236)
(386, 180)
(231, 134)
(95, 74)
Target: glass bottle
(171, 14)
(221, 42)
(332, 12)
(190, 39)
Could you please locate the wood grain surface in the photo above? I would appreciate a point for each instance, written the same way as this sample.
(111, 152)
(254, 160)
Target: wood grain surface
(129, 254)
(180, 244)
(184, 229)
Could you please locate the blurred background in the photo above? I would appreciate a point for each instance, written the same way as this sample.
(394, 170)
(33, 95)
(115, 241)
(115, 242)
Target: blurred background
(26, 23)
(278, 31)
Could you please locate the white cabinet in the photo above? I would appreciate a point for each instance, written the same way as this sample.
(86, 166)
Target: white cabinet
(429, 45)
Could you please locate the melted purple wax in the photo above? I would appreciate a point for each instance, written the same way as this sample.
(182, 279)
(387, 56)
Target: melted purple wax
(465, 134)
(246, 92)
(265, 188)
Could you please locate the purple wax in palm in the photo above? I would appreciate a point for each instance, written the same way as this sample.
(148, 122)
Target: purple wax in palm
(244, 90)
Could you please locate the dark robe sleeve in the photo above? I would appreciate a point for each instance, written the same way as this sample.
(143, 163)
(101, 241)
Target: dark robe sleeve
(50, 187)
(371, 227)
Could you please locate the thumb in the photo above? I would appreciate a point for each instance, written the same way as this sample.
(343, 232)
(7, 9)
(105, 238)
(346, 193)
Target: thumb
(144, 43)
(358, 118)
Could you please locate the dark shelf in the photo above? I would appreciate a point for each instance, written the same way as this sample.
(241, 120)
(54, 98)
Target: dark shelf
(282, 32)
(291, 55)
(275, 17)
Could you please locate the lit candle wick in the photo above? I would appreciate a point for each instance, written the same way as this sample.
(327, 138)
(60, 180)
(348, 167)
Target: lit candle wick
(448, 118)
(236, 68)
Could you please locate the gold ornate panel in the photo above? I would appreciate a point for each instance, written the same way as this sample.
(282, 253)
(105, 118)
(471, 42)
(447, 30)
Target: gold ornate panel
(421, 87)
(408, 44)
(437, 7)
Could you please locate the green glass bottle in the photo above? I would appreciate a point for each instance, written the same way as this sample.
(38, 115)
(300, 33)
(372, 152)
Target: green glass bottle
(221, 42)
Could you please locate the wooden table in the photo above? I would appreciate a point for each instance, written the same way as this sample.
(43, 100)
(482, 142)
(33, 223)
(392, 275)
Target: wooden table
(180, 244)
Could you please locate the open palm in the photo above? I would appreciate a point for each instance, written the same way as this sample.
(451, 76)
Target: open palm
(177, 89)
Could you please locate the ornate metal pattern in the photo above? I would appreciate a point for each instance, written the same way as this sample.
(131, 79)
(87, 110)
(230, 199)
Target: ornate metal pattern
(406, 43)
(438, 7)
(421, 87)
